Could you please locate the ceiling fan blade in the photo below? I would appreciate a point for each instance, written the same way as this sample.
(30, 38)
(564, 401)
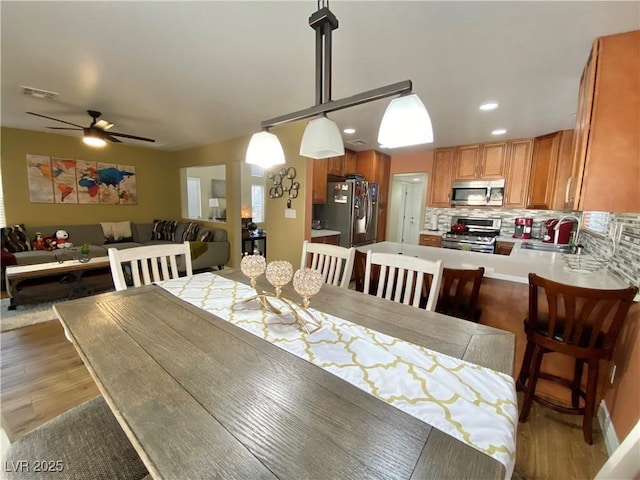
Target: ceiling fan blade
(63, 128)
(112, 138)
(51, 118)
(125, 135)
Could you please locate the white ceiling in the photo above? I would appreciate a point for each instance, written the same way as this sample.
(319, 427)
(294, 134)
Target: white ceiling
(194, 73)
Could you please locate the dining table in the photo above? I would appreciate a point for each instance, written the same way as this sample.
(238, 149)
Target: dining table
(201, 397)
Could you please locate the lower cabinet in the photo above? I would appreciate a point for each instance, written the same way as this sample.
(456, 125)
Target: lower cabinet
(430, 240)
(504, 248)
(329, 239)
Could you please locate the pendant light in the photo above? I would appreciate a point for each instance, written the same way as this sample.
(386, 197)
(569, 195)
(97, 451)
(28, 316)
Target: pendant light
(322, 139)
(406, 121)
(92, 138)
(264, 150)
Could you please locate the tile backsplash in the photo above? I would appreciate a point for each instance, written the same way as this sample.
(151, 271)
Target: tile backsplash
(623, 255)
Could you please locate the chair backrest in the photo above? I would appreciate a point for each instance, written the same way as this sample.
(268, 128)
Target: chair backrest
(460, 292)
(574, 319)
(334, 262)
(401, 278)
(151, 263)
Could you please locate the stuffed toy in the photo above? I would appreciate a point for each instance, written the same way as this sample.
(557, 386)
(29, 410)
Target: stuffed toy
(38, 242)
(49, 242)
(62, 239)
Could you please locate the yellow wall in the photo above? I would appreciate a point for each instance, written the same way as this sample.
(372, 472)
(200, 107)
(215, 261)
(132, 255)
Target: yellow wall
(284, 235)
(158, 193)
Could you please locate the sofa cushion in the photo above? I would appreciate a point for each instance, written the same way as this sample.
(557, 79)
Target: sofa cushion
(121, 245)
(36, 256)
(191, 232)
(164, 230)
(78, 234)
(117, 232)
(14, 239)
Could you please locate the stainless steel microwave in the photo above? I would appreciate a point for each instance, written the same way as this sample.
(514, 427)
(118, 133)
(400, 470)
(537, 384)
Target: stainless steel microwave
(478, 192)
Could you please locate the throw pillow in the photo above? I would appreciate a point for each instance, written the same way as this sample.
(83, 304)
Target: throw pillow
(191, 232)
(164, 230)
(14, 239)
(204, 235)
(117, 232)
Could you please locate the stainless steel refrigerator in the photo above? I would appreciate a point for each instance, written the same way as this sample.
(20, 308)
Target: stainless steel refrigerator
(352, 209)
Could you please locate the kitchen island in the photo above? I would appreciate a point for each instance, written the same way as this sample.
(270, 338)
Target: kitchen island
(504, 294)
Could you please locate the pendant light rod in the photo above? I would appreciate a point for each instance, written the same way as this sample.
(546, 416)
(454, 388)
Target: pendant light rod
(399, 88)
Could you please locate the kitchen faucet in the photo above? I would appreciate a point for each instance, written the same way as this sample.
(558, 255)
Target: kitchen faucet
(571, 218)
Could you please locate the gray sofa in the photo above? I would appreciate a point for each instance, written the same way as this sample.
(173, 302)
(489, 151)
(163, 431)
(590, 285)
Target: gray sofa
(216, 253)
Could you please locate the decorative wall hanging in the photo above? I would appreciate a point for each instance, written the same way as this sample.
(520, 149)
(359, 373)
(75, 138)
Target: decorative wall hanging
(283, 183)
(64, 180)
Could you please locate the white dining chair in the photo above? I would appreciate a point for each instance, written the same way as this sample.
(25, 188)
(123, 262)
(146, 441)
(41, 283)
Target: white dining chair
(401, 278)
(334, 262)
(150, 263)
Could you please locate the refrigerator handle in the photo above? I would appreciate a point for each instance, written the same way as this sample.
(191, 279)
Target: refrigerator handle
(369, 210)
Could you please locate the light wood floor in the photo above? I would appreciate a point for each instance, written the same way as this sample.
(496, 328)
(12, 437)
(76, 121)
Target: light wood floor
(42, 376)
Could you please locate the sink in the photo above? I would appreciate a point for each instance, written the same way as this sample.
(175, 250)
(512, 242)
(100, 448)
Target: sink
(546, 247)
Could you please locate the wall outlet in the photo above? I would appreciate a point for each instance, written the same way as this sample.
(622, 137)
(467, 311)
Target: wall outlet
(613, 374)
(289, 213)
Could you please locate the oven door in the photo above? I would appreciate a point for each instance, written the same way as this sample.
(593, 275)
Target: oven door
(468, 246)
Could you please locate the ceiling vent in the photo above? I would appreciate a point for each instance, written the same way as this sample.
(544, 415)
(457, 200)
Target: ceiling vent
(39, 93)
(356, 143)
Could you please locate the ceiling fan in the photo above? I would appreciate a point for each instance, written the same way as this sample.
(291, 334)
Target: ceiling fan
(97, 133)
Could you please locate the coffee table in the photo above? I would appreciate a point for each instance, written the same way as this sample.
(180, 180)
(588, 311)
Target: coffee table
(57, 280)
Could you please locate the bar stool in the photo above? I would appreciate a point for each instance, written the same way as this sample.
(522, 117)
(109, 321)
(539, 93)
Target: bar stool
(582, 323)
(460, 292)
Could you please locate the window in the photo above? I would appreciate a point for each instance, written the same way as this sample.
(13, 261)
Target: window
(257, 171)
(3, 222)
(597, 222)
(257, 203)
(194, 205)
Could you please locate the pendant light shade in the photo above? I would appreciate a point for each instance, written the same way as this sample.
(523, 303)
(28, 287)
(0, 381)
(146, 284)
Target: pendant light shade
(406, 122)
(322, 139)
(264, 150)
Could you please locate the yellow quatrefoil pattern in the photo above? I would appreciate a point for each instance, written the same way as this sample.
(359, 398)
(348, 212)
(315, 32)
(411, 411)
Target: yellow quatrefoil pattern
(471, 403)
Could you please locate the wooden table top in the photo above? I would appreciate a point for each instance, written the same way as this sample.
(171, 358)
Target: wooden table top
(51, 268)
(201, 398)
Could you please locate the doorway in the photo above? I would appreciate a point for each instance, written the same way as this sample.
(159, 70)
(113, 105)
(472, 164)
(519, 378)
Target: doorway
(408, 198)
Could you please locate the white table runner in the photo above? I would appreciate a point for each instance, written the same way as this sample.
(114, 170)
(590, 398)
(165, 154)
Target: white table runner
(472, 403)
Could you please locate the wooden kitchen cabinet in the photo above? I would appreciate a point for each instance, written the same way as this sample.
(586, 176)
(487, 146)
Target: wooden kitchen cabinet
(343, 165)
(319, 189)
(481, 162)
(441, 177)
(328, 239)
(504, 248)
(543, 169)
(518, 170)
(376, 167)
(430, 240)
(606, 147)
(563, 171)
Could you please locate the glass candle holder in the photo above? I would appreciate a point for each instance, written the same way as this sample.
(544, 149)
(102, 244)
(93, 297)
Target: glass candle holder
(279, 273)
(307, 282)
(253, 266)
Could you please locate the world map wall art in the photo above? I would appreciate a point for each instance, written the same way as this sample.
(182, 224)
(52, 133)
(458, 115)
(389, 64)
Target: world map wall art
(64, 180)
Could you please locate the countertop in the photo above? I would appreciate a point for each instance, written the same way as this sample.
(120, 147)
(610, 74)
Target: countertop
(323, 233)
(514, 268)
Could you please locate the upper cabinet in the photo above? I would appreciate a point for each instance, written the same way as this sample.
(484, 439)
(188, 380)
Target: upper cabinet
(319, 191)
(518, 171)
(606, 146)
(487, 161)
(441, 177)
(342, 166)
(542, 179)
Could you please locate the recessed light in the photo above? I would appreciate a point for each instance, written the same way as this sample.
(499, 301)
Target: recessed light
(349, 131)
(489, 106)
(499, 131)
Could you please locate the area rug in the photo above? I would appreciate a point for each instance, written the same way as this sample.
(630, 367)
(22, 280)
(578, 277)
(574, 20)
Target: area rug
(24, 315)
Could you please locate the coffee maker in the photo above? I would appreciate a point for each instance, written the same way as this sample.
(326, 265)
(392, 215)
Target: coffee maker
(523, 227)
(560, 235)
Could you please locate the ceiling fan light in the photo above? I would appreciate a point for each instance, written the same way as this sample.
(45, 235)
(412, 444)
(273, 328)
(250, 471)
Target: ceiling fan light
(405, 122)
(93, 141)
(264, 150)
(321, 139)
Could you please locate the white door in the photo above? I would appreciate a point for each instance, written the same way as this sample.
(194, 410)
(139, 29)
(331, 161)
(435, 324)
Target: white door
(410, 211)
(194, 205)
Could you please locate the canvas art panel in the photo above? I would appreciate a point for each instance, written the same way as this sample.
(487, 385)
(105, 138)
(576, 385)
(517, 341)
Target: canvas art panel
(64, 180)
(88, 182)
(40, 178)
(127, 185)
(108, 180)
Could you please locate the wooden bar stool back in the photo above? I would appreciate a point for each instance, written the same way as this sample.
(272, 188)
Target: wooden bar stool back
(460, 292)
(582, 323)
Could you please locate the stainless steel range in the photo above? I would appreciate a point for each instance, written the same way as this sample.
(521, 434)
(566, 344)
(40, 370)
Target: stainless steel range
(473, 234)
